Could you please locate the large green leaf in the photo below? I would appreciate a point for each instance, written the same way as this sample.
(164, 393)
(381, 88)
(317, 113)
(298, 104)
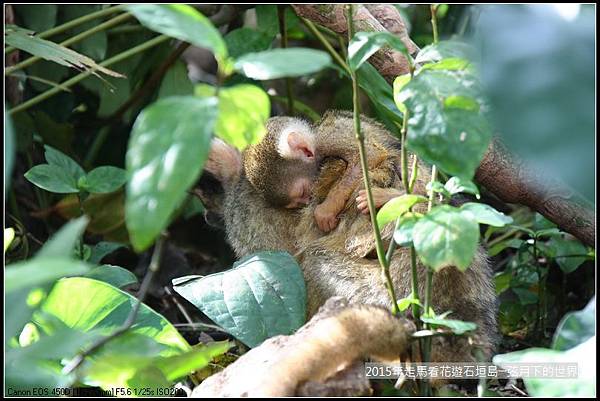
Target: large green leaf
(569, 254)
(446, 237)
(364, 44)
(485, 214)
(583, 354)
(575, 327)
(243, 111)
(396, 207)
(167, 149)
(104, 179)
(452, 136)
(86, 304)
(543, 105)
(457, 326)
(52, 178)
(176, 82)
(113, 275)
(279, 63)
(182, 22)
(45, 49)
(263, 295)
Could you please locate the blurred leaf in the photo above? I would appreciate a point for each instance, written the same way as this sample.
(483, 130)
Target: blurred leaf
(526, 296)
(584, 355)
(95, 45)
(45, 49)
(456, 185)
(263, 295)
(9, 152)
(396, 207)
(446, 237)
(105, 179)
(458, 327)
(245, 40)
(448, 64)
(35, 272)
(454, 139)
(37, 17)
(267, 19)
(446, 49)
(103, 248)
(9, 235)
(540, 77)
(182, 22)
(243, 111)
(62, 243)
(502, 281)
(404, 233)
(113, 275)
(167, 149)
(575, 328)
(485, 214)
(364, 44)
(85, 304)
(176, 82)
(280, 63)
(566, 253)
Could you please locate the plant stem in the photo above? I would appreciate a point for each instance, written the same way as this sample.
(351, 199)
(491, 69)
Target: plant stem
(434, 26)
(413, 173)
(77, 78)
(313, 29)
(77, 38)
(73, 23)
(284, 45)
(385, 270)
(152, 270)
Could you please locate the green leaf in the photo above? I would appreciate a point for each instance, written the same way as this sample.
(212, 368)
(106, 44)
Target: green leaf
(167, 149)
(458, 327)
(95, 45)
(243, 111)
(176, 82)
(446, 49)
(456, 185)
(502, 282)
(52, 178)
(485, 214)
(461, 102)
(37, 17)
(59, 159)
(36, 272)
(51, 51)
(103, 248)
(526, 296)
(245, 40)
(380, 93)
(9, 150)
(566, 253)
(583, 355)
(405, 303)
(446, 237)
(85, 304)
(62, 243)
(447, 64)
(404, 233)
(454, 139)
(364, 44)
(105, 179)
(182, 22)
(113, 275)
(396, 207)
(263, 295)
(280, 63)
(575, 327)
(9, 235)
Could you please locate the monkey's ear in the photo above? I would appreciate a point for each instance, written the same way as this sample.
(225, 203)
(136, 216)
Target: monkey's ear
(224, 162)
(297, 145)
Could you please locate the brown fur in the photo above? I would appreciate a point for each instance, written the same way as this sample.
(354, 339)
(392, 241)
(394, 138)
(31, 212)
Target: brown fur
(333, 264)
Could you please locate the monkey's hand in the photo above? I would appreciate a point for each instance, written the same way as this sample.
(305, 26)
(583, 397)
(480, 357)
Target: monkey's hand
(380, 197)
(326, 216)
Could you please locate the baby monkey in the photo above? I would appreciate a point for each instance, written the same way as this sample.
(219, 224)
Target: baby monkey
(283, 167)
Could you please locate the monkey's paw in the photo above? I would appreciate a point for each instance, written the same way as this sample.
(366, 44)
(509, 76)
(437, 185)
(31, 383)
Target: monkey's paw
(326, 218)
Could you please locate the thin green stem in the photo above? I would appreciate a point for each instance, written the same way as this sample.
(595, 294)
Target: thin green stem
(313, 29)
(381, 255)
(433, 8)
(77, 78)
(284, 44)
(413, 174)
(77, 38)
(73, 23)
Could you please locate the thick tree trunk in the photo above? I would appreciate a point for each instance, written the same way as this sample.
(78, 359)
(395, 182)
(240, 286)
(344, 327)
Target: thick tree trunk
(504, 175)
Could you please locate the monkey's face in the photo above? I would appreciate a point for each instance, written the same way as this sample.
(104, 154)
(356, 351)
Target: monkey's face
(299, 192)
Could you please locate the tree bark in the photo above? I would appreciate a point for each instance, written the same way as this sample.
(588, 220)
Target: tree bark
(507, 177)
